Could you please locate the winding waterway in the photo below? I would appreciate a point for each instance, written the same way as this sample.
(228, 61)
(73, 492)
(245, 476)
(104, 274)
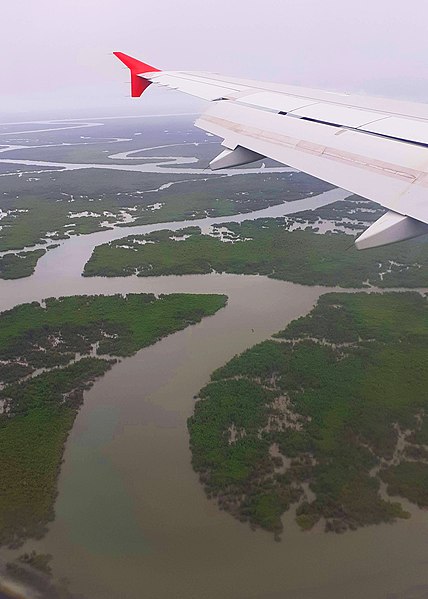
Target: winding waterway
(132, 520)
(59, 271)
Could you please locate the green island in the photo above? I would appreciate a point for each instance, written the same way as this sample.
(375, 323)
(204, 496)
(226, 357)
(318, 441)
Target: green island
(19, 265)
(263, 247)
(50, 353)
(330, 415)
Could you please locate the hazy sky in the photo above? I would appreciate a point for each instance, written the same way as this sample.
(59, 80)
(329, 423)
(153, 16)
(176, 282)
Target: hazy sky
(56, 55)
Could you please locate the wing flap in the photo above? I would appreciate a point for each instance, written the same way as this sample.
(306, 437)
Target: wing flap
(344, 116)
(275, 102)
(400, 128)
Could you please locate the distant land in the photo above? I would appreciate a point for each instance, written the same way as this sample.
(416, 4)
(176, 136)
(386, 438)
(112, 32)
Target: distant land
(89, 176)
(121, 181)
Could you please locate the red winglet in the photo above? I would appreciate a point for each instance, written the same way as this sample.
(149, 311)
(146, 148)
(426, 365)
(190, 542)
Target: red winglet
(138, 84)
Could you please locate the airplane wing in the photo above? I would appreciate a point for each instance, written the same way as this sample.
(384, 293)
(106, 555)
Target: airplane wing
(374, 147)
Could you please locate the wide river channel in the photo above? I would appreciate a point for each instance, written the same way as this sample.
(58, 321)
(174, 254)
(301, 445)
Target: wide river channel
(132, 520)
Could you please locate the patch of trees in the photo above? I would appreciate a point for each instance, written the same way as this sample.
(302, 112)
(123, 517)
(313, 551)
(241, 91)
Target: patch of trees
(32, 438)
(408, 479)
(264, 247)
(19, 265)
(34, 337)
(323, 407)
(38, 408)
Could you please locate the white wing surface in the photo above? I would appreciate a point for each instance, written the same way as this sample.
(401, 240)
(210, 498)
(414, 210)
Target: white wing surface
(374, 147)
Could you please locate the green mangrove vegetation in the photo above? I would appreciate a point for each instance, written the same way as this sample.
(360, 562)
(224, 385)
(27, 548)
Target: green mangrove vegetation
(319, 415)
(49, 354)
(264, 247)
(58, 205)
(19, 265)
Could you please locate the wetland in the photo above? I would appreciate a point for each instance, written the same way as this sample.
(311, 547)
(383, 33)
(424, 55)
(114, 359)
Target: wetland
(131, 514)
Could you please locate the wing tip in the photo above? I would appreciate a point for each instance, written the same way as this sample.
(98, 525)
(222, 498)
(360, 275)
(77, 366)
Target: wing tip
(138, 69)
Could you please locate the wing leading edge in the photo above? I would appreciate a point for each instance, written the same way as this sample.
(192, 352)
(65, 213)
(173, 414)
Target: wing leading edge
(373, 147)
